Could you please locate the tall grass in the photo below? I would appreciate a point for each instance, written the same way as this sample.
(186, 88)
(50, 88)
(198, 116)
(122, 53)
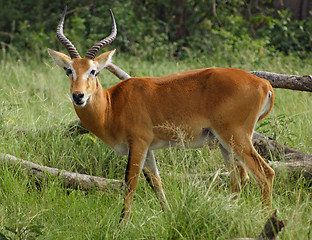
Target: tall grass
(34, 94)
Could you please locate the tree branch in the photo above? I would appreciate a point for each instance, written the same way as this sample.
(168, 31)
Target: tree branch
(214, 12)
(121, 74)
(292, 82)
(68, 179)
(285, 158)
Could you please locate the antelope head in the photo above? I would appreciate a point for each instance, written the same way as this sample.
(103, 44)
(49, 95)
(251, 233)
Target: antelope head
(83, 72)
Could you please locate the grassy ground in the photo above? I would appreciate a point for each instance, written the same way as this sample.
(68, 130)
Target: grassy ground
(34, 93)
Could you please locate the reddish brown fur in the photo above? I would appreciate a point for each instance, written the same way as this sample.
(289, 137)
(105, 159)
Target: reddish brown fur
(132, 116)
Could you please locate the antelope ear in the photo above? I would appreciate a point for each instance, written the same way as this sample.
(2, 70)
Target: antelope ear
(59, 58)
(104, 59)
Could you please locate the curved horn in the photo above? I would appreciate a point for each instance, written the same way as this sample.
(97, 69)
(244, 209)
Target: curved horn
(64, 40)
(106, 41)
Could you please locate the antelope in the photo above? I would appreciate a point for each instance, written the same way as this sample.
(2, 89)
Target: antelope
(214, 107)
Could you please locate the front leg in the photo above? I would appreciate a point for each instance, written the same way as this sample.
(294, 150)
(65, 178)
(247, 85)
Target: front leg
(136, 158)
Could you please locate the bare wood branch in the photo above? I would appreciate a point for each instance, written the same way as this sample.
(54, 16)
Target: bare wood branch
(285, 157)
(121, 74)
(69, 179)
(292, 82)
(269, 148)
(214, 12)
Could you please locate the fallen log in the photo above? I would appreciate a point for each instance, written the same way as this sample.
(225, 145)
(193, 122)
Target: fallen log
(283, 158)
(68, 179)
(292, 82)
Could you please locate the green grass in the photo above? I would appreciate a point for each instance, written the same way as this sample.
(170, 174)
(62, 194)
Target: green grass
(34, 93)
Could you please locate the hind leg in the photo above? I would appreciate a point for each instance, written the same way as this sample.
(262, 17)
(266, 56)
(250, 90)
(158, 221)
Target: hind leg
(262, 172)
(238, 174)
(239, 141)
(152, 176)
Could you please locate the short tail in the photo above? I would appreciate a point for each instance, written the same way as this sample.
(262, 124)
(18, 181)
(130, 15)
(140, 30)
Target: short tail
(268, 104)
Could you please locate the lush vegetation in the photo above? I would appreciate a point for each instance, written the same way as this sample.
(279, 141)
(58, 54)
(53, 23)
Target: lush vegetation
(34, 94)
(155, 28)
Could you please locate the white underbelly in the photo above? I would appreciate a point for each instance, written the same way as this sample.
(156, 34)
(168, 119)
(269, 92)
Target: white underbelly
(205, 138)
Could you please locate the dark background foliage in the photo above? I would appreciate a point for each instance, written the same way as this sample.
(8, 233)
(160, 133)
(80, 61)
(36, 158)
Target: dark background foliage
(152, 28)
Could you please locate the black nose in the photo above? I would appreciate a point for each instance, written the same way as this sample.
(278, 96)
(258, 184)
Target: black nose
(78, 97)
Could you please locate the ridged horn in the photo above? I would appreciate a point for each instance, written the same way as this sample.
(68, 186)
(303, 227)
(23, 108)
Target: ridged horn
(106, 41)
(64, 40)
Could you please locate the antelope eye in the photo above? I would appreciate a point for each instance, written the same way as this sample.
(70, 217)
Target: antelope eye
(68, 71)
(92, 72)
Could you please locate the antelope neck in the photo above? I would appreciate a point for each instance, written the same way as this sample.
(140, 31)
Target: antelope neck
(94, 115)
